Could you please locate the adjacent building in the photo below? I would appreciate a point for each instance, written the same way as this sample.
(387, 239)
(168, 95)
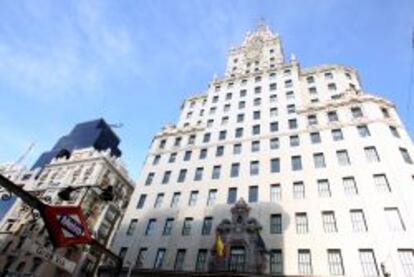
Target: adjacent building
(22, 228)
(323, 168)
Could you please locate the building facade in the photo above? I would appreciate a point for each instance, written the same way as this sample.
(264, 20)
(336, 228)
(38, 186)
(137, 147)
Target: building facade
(325, 168)
(21, 228)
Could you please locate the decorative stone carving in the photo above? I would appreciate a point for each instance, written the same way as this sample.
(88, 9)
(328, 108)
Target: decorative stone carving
(244, 248)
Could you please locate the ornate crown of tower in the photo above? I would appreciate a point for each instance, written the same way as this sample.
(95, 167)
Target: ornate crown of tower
(259, 51)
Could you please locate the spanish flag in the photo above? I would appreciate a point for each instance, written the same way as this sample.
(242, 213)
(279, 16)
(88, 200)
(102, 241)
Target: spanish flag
(219, 246)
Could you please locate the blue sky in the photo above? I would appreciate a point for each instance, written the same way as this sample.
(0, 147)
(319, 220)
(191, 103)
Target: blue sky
(63, 62)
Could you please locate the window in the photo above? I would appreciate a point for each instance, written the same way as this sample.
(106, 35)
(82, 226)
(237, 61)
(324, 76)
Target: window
(159, 258)
(407, 261)
(132, 226)
(358, 221)
(276, 261)
(239, 132)
(254, 168)
(274, 126)
(368, 262)
(222, 135)
(272, 86)
(253, 194)
(294, 141)
(331, 86)
(350, 186)
(177, 141)
(343, 158)
(179, 260)
(312, 90)
(228, 96)
(175, 199)
(275, 165)
(150, 178)
(291, 108)
(235, 170)
(290, 95)
(226, 108)
(381, 183)
(312, 120)
(216, 172)
(274, 143)
(212, 195)
(275, 193)
(156, 160)
(201, 260)
(237, 148)
(385, 112)
(315, 137)
(304, 261)
(335, 263)
(232, 196)
(181, 175)
(215, 99)
(273, 98)
(363, 131)
(150, 226)
(256, 115)
(257, 101)
(168, 227)
(242, 104)
(293, 123)
(224, 120)
(276, 224)
(298, 190)
(122, 253)
(329, 222)
(166, 178)
(206, 137)
(257, 90)
(406, 156)
(288, 83)
(319, 160)
(324, 188)
(210, 123)
(240, 118)
(371, 154)
(310, 79)
(187, 155)
(337, 134)
(219, 151)
(141, 201)
(237, 259)
(394, 220)
(296, 162)
(243, 93)
(394, 131)
(193, 198)
(191, 139)
(158, 200)
(162, 144)
(273, 112)
(356, 112)
(207, 226)
(186, 231)
(256, 130)
(332, 116)
(256, 146)
(198, 174)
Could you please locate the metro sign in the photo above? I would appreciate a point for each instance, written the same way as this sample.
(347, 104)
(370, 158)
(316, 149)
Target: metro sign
(66, 225)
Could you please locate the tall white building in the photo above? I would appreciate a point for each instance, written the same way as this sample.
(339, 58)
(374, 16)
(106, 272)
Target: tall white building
(325, 167)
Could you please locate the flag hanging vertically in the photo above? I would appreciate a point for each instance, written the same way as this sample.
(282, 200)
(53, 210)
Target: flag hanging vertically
(219, 246)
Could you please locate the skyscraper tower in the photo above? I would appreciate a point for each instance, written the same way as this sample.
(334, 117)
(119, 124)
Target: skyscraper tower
(299, 166)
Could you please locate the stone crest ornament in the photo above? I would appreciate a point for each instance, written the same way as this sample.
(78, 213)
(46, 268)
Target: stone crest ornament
(239, 246)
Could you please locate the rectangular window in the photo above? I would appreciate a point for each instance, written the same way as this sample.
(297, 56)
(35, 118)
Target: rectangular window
(343, 158)
(407, 261)
(256, 115)
(193, 198)
(132, 225)
(406, 156)
(179, 260)
(337, 134)
(273, 112)
(329, 222)
(181, 175)
(141, 257)
(158, 200)
(394, 220)
(358, 221)
(368, 262)
(191, 139)
(207, 226)
(296, 162)
(232, 196)
(335, 263)
(276, 261)
(177, 142)
(254, 168)
(275, 193)
(235, 168)
(276, 224)
(222, 135)
(141, 201)
(150, 178)
(168, 227)
(381, 183)
(257, 101)
(159, 258)
(293, 123)
(240, 118)
(272, 86)
(175, 199)
(156, 160)
(363, 131)
(166, 178)
(122, 252)
(219, 151)
(216, 172)
(301, 223)
(186, 231)
(371, 154)
(324, 188)
(291, 108)
(319, 160)
(274, 126)
(304, 262)
(187, 155)
(150, 226)
(274, 143)
(256, 130)
(162, 144)
(332, 116)
(253, 194)
(255, 146)
(212, 195)
(312, 120)
(238, 133)
(294, 141)
(201, 260)
(350, 186)
(237, 148)
(298, 190)
(290, 95)
(356, 112)
(226, 108)
(198, 175)
(275, 165)
(206, 137)
(394, 131)
(315, 137)
(242, 104)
